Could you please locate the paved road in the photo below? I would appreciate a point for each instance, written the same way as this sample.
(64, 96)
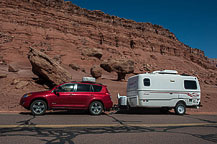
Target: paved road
(110, 128)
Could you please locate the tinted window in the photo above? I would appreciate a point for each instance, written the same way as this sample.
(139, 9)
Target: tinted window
(97, 88)
(83, 88)
(66, 88)
(146, 82)
(190, 84)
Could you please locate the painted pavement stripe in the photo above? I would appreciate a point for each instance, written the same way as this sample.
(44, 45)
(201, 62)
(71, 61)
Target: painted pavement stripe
(106, 125)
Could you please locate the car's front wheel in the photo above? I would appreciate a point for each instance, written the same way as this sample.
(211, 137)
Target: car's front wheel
(38, 107)
(96, 108)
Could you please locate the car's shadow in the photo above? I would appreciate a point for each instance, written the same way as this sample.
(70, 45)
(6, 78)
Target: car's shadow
(63, 112)
(136, 111)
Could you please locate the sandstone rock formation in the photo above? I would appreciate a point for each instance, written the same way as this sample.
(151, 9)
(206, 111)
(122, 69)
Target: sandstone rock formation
(92, 52)
(213, 61)
(146, 67)
(72, 30)
(96, 71)
(3, 75)
(12, 68)
(57, 58)
(121, 67)
(2, 61)
(74, 67)
(21, 84)
(46, 68)
(59, 28)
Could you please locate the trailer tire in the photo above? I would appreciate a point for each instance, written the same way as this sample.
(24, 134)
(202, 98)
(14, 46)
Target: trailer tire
(180, 108)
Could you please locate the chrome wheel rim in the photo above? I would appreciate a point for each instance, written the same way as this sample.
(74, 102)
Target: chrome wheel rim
(181, 109)
(96, 108)
(38, 107)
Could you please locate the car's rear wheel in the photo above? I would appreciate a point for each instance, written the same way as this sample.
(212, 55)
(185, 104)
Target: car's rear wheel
(38, 107)
(180, 108)
(96, 108)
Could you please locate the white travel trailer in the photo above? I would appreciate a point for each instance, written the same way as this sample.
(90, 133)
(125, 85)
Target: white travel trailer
(164, 89)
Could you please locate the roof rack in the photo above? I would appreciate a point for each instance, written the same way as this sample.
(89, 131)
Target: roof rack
(87, 82)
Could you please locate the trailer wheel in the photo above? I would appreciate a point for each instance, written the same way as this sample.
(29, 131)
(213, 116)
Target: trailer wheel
(180, 108)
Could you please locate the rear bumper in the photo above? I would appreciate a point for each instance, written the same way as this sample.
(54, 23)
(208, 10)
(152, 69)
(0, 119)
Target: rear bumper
(196, 106)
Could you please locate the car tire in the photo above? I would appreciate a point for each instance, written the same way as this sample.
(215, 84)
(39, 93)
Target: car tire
(180, 108)
(96, 108)
(38, 107)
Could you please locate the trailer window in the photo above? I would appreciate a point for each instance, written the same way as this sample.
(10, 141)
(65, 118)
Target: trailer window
(189, 84)
(146, 82)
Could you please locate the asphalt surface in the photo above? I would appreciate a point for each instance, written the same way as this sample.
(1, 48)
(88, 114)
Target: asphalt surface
(111, 128)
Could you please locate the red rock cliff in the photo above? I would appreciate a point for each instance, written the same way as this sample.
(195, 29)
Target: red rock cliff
(79, 39)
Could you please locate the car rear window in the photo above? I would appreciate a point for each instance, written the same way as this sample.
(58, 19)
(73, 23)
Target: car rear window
(97, 88)
(190, 84)
(83, 88)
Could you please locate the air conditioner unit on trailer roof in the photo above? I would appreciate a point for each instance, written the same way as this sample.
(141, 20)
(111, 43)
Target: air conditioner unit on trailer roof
(165, 72)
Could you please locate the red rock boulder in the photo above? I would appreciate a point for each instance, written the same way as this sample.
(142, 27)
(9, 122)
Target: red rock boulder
(46, 68)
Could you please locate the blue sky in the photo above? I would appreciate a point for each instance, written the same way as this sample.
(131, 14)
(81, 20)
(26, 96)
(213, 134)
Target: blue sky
(194, 22)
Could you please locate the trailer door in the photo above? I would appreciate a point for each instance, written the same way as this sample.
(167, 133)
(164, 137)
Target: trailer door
(161, 92)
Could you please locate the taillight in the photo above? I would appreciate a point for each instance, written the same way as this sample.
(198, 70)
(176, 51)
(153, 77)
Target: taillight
(108, 94)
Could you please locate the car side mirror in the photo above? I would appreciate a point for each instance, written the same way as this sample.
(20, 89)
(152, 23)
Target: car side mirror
(56, 93)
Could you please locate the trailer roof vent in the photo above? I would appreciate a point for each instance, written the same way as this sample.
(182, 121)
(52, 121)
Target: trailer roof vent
(165, 72)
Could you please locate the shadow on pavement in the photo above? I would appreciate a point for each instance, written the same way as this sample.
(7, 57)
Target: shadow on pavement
(144, 111)
(202, 119)
(63, 112)
(141, 111)
(67, 135)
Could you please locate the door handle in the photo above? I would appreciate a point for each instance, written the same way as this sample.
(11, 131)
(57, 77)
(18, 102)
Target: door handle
(171, 93)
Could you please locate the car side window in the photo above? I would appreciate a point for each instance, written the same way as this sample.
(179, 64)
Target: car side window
(146, 82)
(190, 84)
(84, 88)
(66, 88)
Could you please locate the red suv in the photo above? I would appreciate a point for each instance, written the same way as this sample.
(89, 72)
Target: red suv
(73, 95)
